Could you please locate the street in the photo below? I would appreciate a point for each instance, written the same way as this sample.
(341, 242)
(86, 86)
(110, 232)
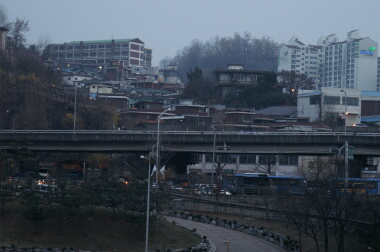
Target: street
(239, 241)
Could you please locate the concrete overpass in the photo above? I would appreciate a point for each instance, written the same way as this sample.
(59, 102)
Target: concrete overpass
(307, 143)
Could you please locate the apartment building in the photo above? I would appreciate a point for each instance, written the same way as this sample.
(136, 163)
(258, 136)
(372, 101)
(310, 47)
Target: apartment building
(378, 74)
(301, 58)
(101, 52)
(348, 64)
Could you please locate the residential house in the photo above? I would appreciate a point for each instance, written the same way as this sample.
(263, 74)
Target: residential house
(234, 79)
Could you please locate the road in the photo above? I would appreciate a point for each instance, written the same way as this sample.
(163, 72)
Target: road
(239, 241)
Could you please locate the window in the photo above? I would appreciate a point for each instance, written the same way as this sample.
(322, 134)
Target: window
(100, 46)
(69, 47)
(247, 118)
(247, 159)
(314, 100)
(332, 100)
(135, 47)
(267, 159)
(288, 160)
(92, 46)
(351, 101)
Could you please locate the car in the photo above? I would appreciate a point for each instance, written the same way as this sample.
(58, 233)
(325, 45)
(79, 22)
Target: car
(359, 125)
(225, 192)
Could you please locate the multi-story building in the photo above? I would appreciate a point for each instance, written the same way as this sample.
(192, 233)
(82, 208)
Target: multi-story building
(378, 74)
(234, 79)
(349, 64)
(101, 52)
(301, 58)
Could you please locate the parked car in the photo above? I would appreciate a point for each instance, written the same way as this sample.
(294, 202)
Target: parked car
(359, 125)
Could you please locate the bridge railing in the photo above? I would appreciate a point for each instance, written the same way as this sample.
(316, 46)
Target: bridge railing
(318, 133)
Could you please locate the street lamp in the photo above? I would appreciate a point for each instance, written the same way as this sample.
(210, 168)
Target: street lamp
(213, 158)
(147, 205)
(345, 110)
(75, 106)
(158, 144)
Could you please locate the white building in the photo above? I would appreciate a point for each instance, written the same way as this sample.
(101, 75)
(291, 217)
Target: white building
(75, 79)
(283, 165)
(378, 74)
(330, 103)
(349, 64)
(301, 58)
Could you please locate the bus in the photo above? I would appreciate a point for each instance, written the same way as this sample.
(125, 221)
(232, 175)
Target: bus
(370, 186)
(264, 184)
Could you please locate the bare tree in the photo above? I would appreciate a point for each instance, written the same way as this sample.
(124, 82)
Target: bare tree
(17, 32)
(292, 82)
(267, 163)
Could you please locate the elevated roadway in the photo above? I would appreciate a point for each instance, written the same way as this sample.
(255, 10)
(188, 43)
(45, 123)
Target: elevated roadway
(306, 143)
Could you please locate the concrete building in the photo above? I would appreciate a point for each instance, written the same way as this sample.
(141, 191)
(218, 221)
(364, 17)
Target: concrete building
(234, 79)
(348, 64)
(101, 52)
(378, 74)
(284, 165)
(329, 104)
(301, 58)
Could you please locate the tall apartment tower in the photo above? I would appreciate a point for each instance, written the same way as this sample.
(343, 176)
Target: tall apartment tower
(378, 74)
(301, 58)
(349, 64)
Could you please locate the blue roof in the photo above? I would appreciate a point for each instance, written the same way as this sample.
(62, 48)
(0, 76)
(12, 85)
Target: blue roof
(310, 94)
(371, 93)
(370, 119)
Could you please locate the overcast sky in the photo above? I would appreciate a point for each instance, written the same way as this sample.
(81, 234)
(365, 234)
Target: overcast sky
(167, 26)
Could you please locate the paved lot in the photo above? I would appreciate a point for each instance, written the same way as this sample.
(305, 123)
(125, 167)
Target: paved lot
(239, 242)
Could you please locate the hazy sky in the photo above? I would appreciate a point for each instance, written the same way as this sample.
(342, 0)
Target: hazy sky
(167, 26)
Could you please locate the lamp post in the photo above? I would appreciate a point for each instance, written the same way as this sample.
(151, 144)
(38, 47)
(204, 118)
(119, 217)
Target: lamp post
(147, 205)
(345, 110)
(213, 158)
(158, 144)
(75, 107)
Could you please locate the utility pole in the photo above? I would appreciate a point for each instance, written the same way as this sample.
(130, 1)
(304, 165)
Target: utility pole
(346, 165)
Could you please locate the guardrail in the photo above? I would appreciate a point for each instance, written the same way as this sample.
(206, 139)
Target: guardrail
(319, 133)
